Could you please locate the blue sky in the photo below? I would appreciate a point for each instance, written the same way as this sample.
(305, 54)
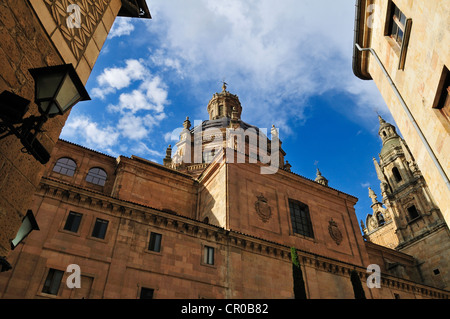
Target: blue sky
(289, 62)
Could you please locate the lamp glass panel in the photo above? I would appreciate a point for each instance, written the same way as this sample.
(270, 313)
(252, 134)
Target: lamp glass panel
(68, 95)
(24, 230)
(51, 106)
(47, 85)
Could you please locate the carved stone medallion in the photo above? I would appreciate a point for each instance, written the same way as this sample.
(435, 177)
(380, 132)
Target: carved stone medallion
(263, 209)
(334, 231)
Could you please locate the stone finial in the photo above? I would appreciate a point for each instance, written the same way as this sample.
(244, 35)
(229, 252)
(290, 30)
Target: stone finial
(187, 123)
(169, 151)
(320, 179)
(167, 161)
(362, 224)
(373, 196)
(224, 86)
(287, 166)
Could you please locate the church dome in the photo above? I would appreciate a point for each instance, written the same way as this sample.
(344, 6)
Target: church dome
(224, 105)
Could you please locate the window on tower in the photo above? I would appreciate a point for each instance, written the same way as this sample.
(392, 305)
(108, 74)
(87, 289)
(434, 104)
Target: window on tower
(413, 213)
(396, 173)
(380, 219)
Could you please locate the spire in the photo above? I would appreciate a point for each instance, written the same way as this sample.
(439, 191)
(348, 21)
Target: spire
(386, 131)
(376, 206)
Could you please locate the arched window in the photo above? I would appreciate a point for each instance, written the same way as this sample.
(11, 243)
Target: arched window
(96, 176)
(396, 173)
(380, 219)
(65, 166)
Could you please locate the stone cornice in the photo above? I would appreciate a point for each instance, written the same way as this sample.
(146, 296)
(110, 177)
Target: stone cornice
(192, 227)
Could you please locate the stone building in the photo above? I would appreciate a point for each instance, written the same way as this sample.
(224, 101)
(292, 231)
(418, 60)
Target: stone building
(402, 45)
(217, 220)
(411, 222)
(36, 34)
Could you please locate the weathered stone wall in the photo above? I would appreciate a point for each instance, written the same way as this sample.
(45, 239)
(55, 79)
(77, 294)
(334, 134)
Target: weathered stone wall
(35, 34)
(245, 184)
(433, 257)
(418, 84)
(384, 236)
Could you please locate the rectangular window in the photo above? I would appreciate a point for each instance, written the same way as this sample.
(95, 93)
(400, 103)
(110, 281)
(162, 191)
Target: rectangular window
(208, 256)
(73, 222)
(100, 228)
(413, 213)
(442, 100)
(398, 28)
(155, 242)
(301, 221)
(397, 22)
(146, 293)
(53, 281)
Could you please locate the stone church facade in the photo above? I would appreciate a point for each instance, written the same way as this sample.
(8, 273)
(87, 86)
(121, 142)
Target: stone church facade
(217, 220)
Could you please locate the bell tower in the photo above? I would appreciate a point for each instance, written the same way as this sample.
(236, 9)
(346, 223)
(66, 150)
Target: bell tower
(411, 221)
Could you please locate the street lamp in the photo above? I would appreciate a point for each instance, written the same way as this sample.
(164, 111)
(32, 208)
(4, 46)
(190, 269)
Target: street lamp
(57, 89)
(28, 225)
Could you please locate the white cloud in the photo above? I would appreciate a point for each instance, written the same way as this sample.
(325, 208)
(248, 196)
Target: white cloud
(150, 96)
(117, 78)
(365, 185)
(132, 127)
(142, 148)
(274, 54)
(122, 26)
(89, 133)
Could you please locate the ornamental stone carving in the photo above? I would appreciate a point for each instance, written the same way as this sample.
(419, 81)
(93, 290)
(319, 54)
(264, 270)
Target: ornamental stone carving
(334, 231)
(263, 209)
